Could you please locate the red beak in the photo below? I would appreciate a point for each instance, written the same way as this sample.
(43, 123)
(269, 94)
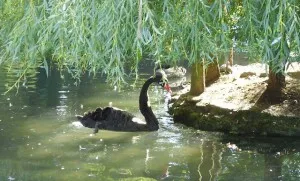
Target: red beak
(167, 88)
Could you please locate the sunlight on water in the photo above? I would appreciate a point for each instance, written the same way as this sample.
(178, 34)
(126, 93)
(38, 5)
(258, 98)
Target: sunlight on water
(41, 140)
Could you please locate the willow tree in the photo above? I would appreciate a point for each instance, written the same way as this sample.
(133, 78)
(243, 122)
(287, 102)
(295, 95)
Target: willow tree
(111, 36)
(94, 36)
(271, 30)
(195, 31)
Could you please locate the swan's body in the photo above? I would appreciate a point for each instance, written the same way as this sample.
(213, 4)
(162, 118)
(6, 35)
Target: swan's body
(115, 119)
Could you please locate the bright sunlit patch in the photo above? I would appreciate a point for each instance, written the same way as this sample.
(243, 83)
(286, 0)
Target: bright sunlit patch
(135, 139)
(232, 147)
(62, 96)
(11, 178)
(81, 148)
(168, 96)
(138, 120)
(77, 124)
(148, 103)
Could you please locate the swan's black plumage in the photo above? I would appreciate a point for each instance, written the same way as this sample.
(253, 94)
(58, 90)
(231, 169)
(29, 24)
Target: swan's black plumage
(115, 119)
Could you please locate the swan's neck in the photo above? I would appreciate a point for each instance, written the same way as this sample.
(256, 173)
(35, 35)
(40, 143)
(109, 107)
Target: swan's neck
(145, 104)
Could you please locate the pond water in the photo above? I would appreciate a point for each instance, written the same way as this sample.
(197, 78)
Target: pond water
(41, 140)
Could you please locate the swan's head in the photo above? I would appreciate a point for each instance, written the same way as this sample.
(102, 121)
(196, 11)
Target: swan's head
(162, 80)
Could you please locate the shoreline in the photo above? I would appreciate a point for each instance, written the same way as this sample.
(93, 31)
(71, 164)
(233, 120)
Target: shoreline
(233, 104)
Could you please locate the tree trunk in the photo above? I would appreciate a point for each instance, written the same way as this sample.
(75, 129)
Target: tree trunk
(212, 72)
(230, 58)
(276, 83)
(197, 79)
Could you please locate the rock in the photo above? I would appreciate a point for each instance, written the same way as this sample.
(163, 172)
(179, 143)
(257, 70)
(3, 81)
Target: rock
(225, 69)
(239, 108)
(247, 74)
(262, 75)
(295, 102)
(175, 72)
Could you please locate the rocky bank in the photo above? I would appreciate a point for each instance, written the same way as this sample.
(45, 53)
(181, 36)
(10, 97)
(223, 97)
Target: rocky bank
(235, 104)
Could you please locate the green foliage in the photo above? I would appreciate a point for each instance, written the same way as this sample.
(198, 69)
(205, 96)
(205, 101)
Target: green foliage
(193, 30)
(112, 36)
(271, 30)
(90, 35)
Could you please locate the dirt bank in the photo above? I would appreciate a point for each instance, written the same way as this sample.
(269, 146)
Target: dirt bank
(235, 104)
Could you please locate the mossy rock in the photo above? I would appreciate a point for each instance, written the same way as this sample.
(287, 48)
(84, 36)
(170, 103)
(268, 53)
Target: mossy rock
(244, 122)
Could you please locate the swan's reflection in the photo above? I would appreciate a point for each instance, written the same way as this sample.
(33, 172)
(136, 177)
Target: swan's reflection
(147, 158)
(135, 139)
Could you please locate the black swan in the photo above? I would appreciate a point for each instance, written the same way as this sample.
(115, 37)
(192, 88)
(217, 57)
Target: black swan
(114, 119)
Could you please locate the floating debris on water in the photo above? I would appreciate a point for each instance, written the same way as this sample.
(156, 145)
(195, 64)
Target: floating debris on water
(81, 148)
(11, 178)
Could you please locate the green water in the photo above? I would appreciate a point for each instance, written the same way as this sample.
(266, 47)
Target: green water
(40, 139)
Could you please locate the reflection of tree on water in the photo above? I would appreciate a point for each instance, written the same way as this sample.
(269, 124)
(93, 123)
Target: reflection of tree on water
(273, 166)
(48, 86)
(269, 160)
(234, 159)
(11, 78)
(37, 88)
(274, 151)
(210, 161)
(17, 99)
(35, 85)
(204, 163)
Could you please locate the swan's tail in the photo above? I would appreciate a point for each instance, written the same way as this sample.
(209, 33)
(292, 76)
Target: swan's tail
(86, 121)
(79, 117)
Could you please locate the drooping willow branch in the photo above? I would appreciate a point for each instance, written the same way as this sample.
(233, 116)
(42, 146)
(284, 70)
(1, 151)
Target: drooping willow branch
(112, 36)
(140, 19)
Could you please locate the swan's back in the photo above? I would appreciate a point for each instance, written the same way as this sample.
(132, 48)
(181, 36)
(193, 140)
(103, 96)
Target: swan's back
(119, 120)
(90, 119)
